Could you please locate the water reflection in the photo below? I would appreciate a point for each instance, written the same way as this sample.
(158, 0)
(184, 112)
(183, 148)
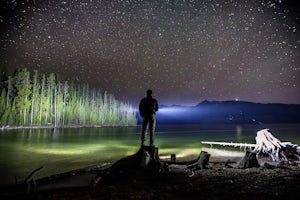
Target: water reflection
(65, 149)
(238, 132)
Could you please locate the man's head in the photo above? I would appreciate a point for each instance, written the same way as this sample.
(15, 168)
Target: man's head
(149, 92)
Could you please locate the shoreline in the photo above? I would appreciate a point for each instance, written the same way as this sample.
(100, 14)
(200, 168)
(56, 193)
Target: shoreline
(218, 181)
(64, 126)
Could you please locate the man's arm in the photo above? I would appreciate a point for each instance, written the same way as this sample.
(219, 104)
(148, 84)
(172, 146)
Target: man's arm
(141, 108)
(156, 106)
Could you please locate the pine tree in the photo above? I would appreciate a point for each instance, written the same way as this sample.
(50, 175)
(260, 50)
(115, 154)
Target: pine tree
(34, 96)
(50, 84)
(65, 98)
(23, 88)
(42, 101)
(3, 115)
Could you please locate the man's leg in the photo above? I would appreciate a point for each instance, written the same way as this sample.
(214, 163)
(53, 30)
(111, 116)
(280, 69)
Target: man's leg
(144, 130)
(152, 129)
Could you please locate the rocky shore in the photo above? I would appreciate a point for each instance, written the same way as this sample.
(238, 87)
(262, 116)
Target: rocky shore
(218, 181)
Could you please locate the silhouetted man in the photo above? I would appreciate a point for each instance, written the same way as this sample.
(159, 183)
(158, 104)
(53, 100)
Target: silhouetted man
(148, 107)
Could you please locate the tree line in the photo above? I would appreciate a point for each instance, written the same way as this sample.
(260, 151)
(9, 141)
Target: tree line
(43, 100)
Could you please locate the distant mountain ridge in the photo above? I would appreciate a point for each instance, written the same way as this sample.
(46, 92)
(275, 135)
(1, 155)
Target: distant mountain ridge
(229, 112)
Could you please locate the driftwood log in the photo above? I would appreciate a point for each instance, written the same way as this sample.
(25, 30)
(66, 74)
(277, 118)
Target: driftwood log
(268, 145)
(29, 184)
(200, 162)
(269, 152)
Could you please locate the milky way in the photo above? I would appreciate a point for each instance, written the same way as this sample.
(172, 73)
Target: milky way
(186, 51)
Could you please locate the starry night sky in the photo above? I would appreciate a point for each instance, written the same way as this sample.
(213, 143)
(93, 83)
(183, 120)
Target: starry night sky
(186, 51)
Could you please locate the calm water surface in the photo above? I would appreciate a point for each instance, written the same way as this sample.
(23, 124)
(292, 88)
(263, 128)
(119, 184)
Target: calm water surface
(60, 150)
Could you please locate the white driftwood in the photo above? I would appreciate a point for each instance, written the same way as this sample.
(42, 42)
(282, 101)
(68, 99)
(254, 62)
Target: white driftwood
(241, 145)
(267, 144)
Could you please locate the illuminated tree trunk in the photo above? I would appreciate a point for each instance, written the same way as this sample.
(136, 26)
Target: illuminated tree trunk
(2, 107)
(42, 107)
(33, 98)
(9, 88)
(27, 88)
(47, 103)
(55, 106)
(59, 103)
(51, 87)
(99, 107)
(23, 88)
(87, 105)
(65, 86)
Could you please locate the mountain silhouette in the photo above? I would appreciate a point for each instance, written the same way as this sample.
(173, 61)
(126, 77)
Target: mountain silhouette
(229, 112)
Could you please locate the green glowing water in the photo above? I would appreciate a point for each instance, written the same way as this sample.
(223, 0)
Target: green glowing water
(61, 150)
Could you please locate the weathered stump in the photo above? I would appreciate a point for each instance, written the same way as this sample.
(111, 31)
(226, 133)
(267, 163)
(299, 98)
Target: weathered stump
(201, 161)
(249, 161)
(173, 157)
(145, 158)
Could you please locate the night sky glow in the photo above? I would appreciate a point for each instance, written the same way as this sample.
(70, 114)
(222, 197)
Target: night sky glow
(186, 51)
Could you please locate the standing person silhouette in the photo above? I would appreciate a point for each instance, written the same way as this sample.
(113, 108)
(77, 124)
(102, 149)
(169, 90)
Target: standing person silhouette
(148, 107)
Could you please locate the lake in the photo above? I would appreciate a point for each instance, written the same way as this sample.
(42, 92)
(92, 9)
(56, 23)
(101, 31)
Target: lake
(61, 150)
